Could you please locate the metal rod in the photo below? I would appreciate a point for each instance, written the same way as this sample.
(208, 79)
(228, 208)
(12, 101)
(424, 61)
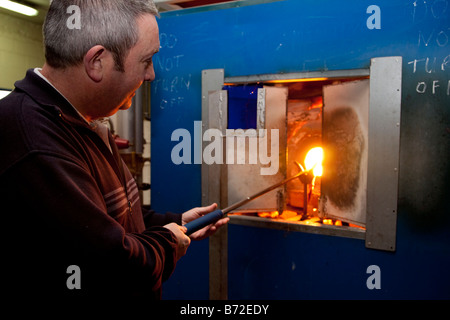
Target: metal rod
(257, 195)
(214, 216)
(305, 198)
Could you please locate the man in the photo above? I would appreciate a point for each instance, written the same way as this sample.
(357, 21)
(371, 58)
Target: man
(72, 220)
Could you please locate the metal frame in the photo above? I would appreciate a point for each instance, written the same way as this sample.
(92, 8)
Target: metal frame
(307, 76)
(212, 191)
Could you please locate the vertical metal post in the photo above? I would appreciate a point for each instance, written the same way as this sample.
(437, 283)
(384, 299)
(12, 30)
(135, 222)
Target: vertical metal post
(384, 152)
(213, 182)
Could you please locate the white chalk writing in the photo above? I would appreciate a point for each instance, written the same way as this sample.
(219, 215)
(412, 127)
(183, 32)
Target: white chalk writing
(434, 33)
(175, 85)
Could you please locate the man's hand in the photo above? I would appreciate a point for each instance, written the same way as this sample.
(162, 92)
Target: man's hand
(207, 231)
(183, 240)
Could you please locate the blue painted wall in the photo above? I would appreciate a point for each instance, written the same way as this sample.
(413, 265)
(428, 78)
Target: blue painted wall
(297, 36)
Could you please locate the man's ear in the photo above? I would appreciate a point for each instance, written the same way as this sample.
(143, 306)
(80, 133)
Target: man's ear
(94, 62)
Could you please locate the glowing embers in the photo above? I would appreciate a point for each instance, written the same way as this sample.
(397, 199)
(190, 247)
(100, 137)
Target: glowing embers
(285, 215)
(297, 217)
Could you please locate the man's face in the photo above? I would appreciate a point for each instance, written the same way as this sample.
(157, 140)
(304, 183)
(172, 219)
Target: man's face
(138, 65)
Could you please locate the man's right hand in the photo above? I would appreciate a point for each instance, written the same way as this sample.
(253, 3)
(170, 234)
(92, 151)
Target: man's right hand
(182, 239)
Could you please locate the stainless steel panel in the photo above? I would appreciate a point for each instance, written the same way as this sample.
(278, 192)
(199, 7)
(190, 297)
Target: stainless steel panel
(218, 103)
(212, 80)
(345, 141)
(249, 173)
(261, 110)
(384, 148)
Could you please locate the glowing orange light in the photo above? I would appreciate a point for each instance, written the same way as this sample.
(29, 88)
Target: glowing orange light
(272, 214)
(296, 80)
(314, 159)
(317, 103)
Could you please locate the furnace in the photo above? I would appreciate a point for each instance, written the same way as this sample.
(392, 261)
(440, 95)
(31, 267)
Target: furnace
(318, 123)
(293, 111)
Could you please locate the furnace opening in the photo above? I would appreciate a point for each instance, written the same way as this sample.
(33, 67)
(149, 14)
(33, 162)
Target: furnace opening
(320, 114)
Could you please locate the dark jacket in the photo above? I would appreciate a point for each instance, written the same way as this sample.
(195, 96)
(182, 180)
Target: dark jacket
(66, 199)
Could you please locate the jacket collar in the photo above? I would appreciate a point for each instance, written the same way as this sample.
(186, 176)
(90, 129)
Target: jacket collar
(46, 95)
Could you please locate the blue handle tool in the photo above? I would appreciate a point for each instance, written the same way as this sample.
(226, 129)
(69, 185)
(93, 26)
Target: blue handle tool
(203, 221)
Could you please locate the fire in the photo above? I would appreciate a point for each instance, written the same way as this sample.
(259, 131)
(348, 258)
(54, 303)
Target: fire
(314, 159)
(331, 222)
(285, 215)
(271, 214)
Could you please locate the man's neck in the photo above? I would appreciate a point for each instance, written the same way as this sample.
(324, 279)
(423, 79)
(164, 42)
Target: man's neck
(68, 83)
(38, 71)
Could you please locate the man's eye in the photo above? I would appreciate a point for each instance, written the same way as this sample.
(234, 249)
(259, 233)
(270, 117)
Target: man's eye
(148, 63)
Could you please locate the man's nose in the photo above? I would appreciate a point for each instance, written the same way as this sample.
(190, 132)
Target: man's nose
(150, 74)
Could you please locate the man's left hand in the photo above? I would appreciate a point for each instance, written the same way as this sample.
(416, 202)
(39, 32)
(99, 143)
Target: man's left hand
(196, 213)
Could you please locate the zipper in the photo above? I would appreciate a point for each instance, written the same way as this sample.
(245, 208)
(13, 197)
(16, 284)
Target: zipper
(129, 205)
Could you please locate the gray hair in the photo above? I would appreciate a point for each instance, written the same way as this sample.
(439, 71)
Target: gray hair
(110, 23)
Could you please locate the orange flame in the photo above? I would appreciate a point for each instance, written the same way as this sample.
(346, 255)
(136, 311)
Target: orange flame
(314, 159)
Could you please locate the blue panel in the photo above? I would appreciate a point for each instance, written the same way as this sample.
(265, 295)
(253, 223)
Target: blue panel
(268, 264)
(298, 36)
(242, 101)
(188, 279)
